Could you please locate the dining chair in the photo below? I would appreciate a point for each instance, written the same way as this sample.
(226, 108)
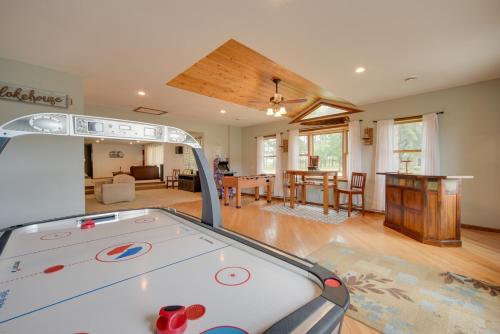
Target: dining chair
(357, 188)
(174, 178)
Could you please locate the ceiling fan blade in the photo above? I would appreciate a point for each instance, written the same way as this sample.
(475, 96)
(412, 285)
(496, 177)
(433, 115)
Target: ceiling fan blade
(258, 101)
(295, 101)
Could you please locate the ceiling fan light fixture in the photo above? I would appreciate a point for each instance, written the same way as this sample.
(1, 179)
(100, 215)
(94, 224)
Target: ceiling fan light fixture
(277, 102)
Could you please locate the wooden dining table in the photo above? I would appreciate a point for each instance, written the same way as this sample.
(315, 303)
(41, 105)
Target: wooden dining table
(324, 183)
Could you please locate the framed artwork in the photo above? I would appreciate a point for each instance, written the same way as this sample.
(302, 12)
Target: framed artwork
(116, 154)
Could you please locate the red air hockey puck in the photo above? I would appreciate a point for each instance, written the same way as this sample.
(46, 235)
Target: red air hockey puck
(88, 224)
(195, 311)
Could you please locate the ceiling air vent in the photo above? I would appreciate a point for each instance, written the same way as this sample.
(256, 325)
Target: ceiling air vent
(150, 111)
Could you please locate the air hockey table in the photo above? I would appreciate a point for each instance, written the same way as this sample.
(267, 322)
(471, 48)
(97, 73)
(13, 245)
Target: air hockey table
(153, 270)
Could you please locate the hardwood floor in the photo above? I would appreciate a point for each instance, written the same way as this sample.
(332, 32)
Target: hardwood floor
(479, 256)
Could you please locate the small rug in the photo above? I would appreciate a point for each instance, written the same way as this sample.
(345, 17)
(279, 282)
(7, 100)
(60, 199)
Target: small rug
(154, 198)
(310, 212)
(393, 295)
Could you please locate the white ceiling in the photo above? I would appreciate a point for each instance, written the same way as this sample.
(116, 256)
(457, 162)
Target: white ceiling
(121, 46)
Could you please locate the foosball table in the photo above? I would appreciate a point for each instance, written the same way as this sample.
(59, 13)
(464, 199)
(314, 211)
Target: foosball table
(242, 182)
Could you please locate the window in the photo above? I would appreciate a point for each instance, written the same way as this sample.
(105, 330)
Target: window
(189, 160)
(329, 148)
(303, 151)
(329, 145)
(408, 145)
(269, 160)
(324, 110)
(153, 154)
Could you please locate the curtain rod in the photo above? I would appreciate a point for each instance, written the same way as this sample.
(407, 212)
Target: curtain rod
(328, 127)
(396, 119)
(416, 116)
(267, 136)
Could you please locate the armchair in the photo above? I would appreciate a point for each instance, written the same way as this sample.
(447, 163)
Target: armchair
(122, 189)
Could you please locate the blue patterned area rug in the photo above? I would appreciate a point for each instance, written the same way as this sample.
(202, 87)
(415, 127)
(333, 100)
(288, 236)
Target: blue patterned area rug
(395, 296)
(310, 212)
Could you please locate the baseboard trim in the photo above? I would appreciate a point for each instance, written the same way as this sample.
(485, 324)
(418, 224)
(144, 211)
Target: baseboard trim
(480, 228)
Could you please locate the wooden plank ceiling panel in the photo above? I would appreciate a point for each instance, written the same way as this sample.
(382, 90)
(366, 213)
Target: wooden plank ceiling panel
(238, 74)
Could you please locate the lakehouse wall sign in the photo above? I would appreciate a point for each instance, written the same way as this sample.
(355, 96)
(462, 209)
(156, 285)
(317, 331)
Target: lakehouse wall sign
(17, 93)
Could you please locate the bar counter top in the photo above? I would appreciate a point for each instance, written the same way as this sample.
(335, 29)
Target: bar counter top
(462, 177)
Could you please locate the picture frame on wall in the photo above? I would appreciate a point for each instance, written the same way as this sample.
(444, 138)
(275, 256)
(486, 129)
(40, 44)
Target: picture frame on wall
(116, 154)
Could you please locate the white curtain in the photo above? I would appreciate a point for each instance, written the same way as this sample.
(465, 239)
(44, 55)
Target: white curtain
(430, 145)
(293, 149)
(354, 163)
(153, 154)
(188, 156)
(278, 178)
(385, 160)
(260, 155)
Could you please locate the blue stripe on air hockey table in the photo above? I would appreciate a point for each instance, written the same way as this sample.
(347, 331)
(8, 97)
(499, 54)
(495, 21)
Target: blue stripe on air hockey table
(108, 285)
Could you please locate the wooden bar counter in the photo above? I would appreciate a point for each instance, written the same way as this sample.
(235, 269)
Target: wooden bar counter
(425, 208)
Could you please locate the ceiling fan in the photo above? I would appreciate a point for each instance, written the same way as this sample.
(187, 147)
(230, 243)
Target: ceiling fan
(277, 102)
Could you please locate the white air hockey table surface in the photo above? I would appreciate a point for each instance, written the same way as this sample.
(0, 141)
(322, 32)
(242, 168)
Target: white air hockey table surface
(56, 277)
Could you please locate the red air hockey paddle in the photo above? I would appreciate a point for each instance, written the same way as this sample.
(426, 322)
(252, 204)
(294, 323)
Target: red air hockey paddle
(88, 224)
(172, 320)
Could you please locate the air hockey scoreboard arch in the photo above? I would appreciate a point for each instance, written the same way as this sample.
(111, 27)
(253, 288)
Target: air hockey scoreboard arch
(155, 270)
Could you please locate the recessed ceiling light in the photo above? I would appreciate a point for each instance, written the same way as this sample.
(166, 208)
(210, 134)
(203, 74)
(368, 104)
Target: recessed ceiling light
(97, 141)
(141, 93)
(222, 111)
(360, 70)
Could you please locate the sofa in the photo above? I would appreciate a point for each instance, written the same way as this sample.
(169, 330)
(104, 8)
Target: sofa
(121, 189)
